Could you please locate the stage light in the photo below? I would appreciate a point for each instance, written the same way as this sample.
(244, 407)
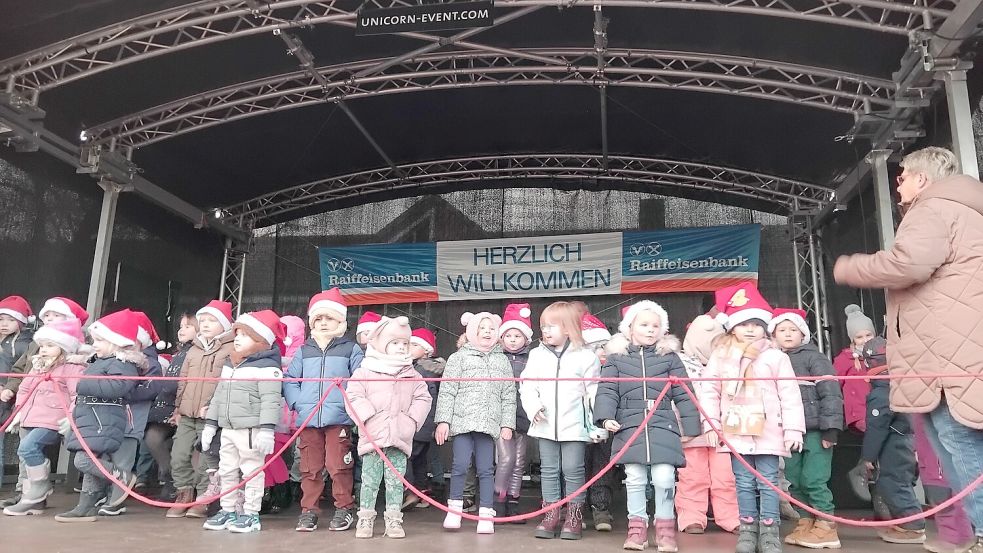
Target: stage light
(83, 136)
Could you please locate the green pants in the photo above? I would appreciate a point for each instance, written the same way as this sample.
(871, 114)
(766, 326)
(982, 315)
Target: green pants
(374, 471)
(808, 471)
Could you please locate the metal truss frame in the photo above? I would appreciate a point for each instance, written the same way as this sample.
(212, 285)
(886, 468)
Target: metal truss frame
(786, 194)
(233, 274)
(810, 274)
(210, 21)
(769, 80)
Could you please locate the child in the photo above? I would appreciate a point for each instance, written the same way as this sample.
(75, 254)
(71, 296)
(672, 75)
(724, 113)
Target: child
(515, 335)
(601, 492)
(15, 340)
(365, 324)
(475, 413)
(762, 419)
(622, 406)
(888, 451)
(559, 413)
(209, 352)
(423, 345)
(707, 477)
(326, 443)
(41, 413)
(809, 471)
(247, 411)
(392, 413)
(860, 329)
(101, 416)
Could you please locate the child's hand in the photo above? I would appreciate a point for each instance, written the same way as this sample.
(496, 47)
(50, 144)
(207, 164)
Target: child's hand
(14, 425)
(175, 418)
(64, 427)
(203, 412)
(6, 395)
(827, 444)
(612, 425)
(505, 434)
(540, 416)
(793, 445)
(440, 435)
(712, 439)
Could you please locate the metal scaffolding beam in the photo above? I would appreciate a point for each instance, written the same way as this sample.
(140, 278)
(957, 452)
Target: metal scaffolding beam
(755, 78)
(210, 21)
(810, 280)
(724, 182)
(233, 274)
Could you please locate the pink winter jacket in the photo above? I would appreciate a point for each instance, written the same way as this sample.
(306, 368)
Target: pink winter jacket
(392, 411)
(784, 417)
(854, 391)
(44, 409)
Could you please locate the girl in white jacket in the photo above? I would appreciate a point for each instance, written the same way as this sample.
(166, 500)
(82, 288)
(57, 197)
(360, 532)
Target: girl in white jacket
(559, 413)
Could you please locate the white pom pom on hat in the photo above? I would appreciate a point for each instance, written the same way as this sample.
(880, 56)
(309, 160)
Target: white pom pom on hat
(466, 318)
(525, 312)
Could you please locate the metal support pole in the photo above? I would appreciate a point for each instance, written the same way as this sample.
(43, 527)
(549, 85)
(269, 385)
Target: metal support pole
(816, 308)
(961, 121)
(104, 239)
(882, 197)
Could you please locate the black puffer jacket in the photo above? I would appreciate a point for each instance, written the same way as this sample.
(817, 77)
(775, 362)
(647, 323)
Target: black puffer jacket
(518, 361)
(628, 402)
(12, 348)
(822, 401)
(100, 407)
(429, 368)
(163, 406)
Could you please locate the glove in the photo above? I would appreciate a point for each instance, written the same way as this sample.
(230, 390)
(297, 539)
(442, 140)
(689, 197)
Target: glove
(64, 427)
(263, 442)
(14, 425)
(207, 435)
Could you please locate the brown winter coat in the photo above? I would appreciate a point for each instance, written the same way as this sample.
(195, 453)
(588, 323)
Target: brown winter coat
(193, 395)
(933, 276)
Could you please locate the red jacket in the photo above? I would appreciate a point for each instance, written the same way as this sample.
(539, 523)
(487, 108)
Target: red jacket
(854, 391)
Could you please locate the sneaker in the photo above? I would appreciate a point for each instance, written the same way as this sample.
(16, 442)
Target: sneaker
(801, 528)
(118, 495)
(307, 522)
(469, 505)
(366, 524)
(107, 511)
(220, 521)
(245, 524)
(822, 535)
(22, 509)
(897, 534)
(342, 520)
(602, 520)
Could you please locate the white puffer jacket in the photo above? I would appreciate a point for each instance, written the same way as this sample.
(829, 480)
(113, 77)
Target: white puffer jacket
(565, 402)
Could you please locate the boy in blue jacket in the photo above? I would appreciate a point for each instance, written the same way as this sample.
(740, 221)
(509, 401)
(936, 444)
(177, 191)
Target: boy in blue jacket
(326, 441)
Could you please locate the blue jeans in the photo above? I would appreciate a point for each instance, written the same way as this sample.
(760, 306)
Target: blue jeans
(482, 446)
(754, 498)
(565, 457)
(663, 484)
(960, 449)
(31, 448)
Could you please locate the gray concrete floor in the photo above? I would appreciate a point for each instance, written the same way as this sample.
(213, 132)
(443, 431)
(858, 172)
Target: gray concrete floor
(145, 530)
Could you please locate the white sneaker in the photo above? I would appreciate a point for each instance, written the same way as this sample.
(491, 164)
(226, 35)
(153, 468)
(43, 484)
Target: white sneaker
(453, 521)
(486, 526)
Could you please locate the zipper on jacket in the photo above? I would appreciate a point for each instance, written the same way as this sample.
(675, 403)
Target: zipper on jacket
(320, 386)
(645, 397)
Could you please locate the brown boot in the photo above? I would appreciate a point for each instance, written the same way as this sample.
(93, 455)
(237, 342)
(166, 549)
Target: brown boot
(197, 511)
(184, 495)
(822, 535)
(637, 539)
(803, 526)
(899, 535)
(548, 527)
(573, 525)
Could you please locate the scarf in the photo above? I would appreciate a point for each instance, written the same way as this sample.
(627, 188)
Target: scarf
(383, 363)
(734, 359)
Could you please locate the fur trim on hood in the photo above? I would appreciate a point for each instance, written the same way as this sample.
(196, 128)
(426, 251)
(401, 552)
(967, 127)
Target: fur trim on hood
(135, 357)
(618, 344)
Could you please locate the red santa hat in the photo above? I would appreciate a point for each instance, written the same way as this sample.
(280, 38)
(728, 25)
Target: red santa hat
(795, 316)
(18, 308)
(367, 322)
(593, 329)
(221, 310)
(741, 303)
(425, 339)
(147, 334)
(629, 314)
(121, 328)
(66, 307)
(329, 300)
(265, 324)
(517, 316)
(65, 334)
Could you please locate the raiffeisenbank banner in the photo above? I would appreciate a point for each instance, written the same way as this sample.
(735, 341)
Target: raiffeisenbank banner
(635, 262)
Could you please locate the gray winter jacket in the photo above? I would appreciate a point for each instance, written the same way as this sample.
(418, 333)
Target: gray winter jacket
(822, 401)
(628, 402)
(249, 403)
(478, 406)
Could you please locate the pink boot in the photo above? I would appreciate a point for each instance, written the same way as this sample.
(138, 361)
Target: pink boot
(665, 535)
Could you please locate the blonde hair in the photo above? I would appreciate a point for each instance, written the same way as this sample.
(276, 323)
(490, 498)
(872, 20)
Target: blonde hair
(569, 318)
(936, 163)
